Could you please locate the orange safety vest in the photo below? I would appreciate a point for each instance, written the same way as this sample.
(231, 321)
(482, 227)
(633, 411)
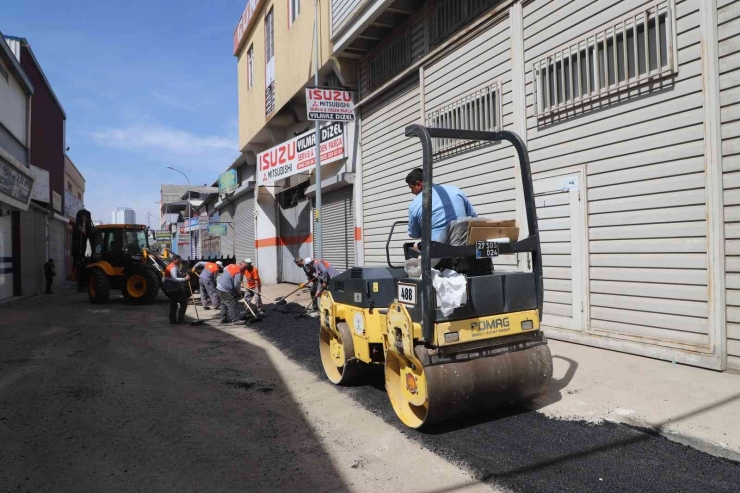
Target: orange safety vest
(232, 269)
(211, 267)
(252, 277)
(168, 271)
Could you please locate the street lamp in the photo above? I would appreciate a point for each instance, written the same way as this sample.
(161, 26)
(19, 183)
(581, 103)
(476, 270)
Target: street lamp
(188, 225)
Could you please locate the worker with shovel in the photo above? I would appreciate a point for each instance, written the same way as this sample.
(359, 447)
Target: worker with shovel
(254, 285)
(228, 288)
(319, 270)
(174, 285)
(207, 274)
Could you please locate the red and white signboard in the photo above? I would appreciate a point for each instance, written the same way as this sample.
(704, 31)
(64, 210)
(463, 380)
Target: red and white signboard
(298, 155)
(330, 105)
(244, 23)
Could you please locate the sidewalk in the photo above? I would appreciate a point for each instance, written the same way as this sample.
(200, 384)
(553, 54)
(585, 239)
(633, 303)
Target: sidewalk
(693, 406)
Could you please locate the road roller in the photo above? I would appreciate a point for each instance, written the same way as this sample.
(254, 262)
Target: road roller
(485, 354)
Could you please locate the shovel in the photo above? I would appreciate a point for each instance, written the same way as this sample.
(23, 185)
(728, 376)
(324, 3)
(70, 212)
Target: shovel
(305, 309)
(280, 300)
(195, 305)
(256, 317)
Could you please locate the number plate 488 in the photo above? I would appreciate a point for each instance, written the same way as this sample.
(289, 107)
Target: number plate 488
(406, 294)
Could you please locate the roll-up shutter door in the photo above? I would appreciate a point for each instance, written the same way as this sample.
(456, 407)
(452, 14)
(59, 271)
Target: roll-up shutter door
(387, 157)
(56, 248)
(338, 226)
(6, 257)
(227, 242)
(244, 223)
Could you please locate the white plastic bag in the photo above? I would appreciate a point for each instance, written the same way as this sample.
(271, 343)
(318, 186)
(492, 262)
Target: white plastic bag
(451, 288)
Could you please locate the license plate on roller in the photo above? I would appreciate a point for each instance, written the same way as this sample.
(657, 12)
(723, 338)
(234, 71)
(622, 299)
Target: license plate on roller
(486, 249)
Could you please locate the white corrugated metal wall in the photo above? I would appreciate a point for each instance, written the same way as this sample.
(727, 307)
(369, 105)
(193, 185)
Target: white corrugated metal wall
(227, 242)
(387, 157)
(728, 19)
(646, 183)
(341, 10)
(486, 175)
(244, 224)
(338, 233)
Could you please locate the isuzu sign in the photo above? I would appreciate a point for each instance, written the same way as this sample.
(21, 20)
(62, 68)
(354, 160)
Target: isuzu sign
(298, 155)
(330, 105)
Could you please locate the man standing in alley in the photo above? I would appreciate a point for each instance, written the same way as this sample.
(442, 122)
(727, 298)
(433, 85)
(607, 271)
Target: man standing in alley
(254, 283)
(49, 272)
(228, 288)
(207, 274)
(318, 271)
(174, 285)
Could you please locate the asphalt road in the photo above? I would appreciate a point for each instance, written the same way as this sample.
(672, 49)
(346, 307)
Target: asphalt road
(112, 398)
(522, 450)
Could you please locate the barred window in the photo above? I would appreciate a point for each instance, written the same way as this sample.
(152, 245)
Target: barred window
(390, 58)
(446, 16)
(616, 57)
(478, 110)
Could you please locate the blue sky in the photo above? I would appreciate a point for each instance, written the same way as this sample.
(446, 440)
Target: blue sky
(145, 85)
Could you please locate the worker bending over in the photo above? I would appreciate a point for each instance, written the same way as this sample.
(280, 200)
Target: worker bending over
(254, 283)
(207, 274)
(318, 271)
(229, 290)
(174, 285)
(448, 204)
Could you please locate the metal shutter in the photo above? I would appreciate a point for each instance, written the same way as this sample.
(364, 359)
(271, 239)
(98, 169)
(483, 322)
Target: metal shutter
(244, 224)
(338, 237)
(56, 249)
(227, 242)
(387, 157)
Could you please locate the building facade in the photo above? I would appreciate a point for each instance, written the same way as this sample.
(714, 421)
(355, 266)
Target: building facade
(123, 215)
(74, 201)
(47, 132)
(16, 176)
(273, 43)
(628, 111)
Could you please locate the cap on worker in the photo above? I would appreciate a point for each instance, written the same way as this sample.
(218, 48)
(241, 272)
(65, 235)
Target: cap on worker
(219, 263)
(307, 260)
(247, 260)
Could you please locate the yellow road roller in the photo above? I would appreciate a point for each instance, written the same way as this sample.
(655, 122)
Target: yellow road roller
(439, 364)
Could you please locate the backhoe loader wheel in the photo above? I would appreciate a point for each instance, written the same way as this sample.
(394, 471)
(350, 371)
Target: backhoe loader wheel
(98, 287)
(338, 356)
(141, 286)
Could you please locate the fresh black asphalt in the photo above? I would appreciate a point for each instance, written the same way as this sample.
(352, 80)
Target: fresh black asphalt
(525, 451)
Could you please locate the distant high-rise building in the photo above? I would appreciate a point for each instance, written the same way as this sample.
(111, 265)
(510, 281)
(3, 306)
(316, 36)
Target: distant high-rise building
(123, 215)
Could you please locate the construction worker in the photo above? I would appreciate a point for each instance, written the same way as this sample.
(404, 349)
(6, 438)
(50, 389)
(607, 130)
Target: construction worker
(320, 272)
(207, 274)
(254, 283)
(228, 288)
(174, 284)
(448, 204)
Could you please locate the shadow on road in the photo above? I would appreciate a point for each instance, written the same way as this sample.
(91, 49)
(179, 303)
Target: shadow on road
(114, 399)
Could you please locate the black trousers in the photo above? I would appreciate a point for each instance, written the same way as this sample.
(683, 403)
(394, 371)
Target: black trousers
(178, 297)
(49, 282)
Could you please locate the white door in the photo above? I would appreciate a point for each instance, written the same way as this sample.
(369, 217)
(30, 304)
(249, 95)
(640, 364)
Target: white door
(561, 220)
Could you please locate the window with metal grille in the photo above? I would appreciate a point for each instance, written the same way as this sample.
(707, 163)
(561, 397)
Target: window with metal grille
(390, 58)
(295, 9)
(614, 58)
(269, 62)
(478, 110)
(446, 16)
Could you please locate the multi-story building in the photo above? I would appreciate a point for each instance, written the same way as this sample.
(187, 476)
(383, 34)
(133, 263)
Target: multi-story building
(123, 215)
(74, 200)
(16, 177)
(175, 203)
(273, 43)
(629, 110)
(47, 134)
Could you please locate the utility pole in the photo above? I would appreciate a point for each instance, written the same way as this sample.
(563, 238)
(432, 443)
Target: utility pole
(190, 233)
(319, 253)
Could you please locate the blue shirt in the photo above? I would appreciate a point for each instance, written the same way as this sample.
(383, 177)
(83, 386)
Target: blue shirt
(448, 203)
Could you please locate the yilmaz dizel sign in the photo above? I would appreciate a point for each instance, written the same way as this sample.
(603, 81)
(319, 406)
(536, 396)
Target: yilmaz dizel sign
(298, 155)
